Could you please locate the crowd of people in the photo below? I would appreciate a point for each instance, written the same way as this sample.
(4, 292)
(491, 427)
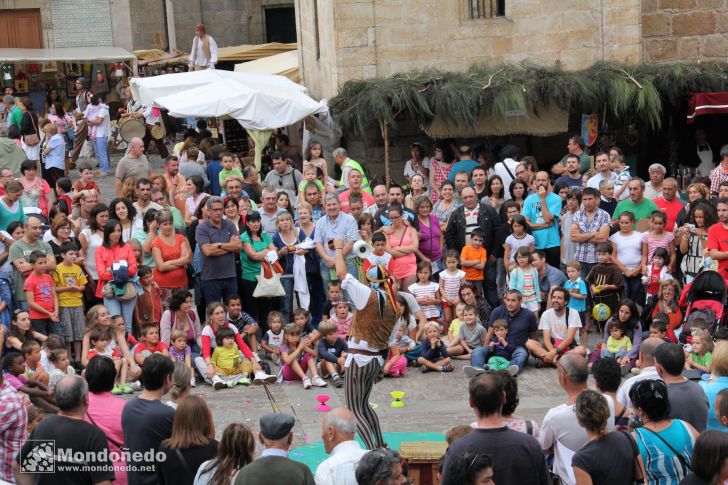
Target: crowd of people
(211, 272)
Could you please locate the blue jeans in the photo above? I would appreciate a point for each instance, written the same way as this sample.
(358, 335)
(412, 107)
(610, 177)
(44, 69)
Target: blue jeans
(326, 273)
(123, 308)
(634, 290)
(607, 354)
(480, 357)
(286, 301)
(219, 289)
(101, 147)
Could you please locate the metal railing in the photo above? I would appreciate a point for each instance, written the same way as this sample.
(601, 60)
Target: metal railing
(486, 9)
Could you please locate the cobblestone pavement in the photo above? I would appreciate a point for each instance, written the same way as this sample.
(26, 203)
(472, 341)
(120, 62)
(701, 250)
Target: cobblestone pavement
(433, 402)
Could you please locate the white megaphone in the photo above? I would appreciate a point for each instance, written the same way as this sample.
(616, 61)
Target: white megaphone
(362, 249)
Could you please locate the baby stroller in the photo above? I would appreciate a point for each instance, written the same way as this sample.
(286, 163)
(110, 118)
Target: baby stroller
(706, 299)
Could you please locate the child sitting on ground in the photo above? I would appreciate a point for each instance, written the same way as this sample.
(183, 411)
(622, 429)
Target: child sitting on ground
(433, 353)
(451, 279)
(454, 329)
(618, 344)
(179, 351)
(342, 319)
(273, 338)
(701, 354)
(658, 327)
(335, 295)
(149, 344)
(427, 292)
(37, 392)
(52, 343)
(297, 354)
(332, 351)
(471, 336)
(500, 352)
(302, 318)
(246, 325)
(35, 416)
(100, 338)
(230, 365)
(61, 367)
(396, 363)
(33, 366)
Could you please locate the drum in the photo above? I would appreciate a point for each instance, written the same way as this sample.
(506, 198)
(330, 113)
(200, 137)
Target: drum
(158, 131)
(423, 458)
(131, 128)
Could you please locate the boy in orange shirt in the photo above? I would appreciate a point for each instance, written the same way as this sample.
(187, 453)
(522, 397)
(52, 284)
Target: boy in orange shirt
(472, 259)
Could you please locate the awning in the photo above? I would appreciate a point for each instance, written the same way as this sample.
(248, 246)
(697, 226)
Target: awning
(707, 104)
(251, 52)
(75, 54)
(545, 122)
(285, 64)
(156, 57)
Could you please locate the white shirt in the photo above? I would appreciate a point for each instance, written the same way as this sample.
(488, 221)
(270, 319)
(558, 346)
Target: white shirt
(596, 179)
(623, 391)
(199, 56)
(650, 192)
(560, 426)
(339, 468)
(629, 248)
(557, 325)
(149, 117)
(500, 170)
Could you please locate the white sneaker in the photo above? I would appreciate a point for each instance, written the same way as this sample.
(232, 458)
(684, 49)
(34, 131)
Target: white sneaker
(192, 382)
(318, 382)
(469, 371)
(218, 383)
(512, 370)
(135, 385)
(306, 383)
(261, 378)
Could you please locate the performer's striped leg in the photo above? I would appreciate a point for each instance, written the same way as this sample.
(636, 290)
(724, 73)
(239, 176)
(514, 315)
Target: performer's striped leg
(358, 387)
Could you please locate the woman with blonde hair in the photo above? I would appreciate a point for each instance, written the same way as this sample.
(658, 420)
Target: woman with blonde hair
(181, 384)
(191, 444)
(236, 449)
(717, 382)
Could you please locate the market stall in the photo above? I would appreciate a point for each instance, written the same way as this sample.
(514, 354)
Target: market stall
(36, 72)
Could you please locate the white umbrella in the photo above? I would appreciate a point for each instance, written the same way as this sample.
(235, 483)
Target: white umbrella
(255, 108)
(146, 90)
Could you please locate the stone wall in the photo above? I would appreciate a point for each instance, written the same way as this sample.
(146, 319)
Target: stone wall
(382, 37)
(148, 29)
(685, 30)
(79, 23)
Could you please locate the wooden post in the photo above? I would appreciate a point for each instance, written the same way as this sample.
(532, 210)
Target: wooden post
(385, 135)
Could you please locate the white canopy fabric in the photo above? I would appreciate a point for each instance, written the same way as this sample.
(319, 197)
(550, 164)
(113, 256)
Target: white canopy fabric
(77, 54)
(256, 107)
(148, 89)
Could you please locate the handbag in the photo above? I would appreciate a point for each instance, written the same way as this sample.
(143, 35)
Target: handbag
(109, 291)
(268, 286)
(32, 139)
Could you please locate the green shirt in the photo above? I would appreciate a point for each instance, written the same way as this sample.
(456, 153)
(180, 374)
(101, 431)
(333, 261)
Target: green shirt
(6, 217)
(21, 250)
(224, 174)
(703, 361)
(251, 268)
(16, 117)
(643, 210)
(584, 162)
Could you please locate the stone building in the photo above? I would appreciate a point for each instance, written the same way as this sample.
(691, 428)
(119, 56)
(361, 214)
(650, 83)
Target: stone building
(143, 24)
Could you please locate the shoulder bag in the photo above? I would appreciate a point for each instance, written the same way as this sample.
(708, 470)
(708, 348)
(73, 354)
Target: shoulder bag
(32, 139)
(269, 282)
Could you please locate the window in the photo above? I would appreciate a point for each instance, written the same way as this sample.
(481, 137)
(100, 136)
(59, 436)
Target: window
(486, 9)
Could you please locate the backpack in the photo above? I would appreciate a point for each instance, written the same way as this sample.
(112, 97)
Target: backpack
(699, 313)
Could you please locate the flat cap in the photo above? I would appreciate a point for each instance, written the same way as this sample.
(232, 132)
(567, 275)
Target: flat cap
(276, 426)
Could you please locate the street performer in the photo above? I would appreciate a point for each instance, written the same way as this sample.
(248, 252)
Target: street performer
(82, 101)
(204, 50)
(370, 332)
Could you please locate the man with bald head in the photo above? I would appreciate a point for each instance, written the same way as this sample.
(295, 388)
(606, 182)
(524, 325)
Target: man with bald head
(648, 370)
(338, 428)
(134, 165)
(542, 210)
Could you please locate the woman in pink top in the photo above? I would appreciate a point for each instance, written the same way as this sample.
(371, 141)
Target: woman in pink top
(104, 409)
(402, 243)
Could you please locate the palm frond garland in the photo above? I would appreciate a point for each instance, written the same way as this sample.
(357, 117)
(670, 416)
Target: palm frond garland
(640, 91)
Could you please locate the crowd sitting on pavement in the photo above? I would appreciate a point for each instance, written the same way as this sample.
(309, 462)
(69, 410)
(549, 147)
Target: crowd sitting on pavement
(177, 282)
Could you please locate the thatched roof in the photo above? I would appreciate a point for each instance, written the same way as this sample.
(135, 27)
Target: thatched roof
(641, 91)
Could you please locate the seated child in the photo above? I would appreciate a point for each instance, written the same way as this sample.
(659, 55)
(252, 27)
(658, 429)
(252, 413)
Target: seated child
(658, 328)
(701, 355)
(230, 364)
(433, 353)
(273, 338)
(721, 407)
(617, 345)
(179, 351)
(35, 416)
(37, 392)
(451, 279)
(33, 367)
(332, 351)
(61, 367)
(100, 338)
(246, 325)
(302, 318)
(471, 336)
(500, 352)
(149, 344)
(52, 343)
(342, 318)
(297, 354)
(454, 329)
(396, 363)
(334, 296)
